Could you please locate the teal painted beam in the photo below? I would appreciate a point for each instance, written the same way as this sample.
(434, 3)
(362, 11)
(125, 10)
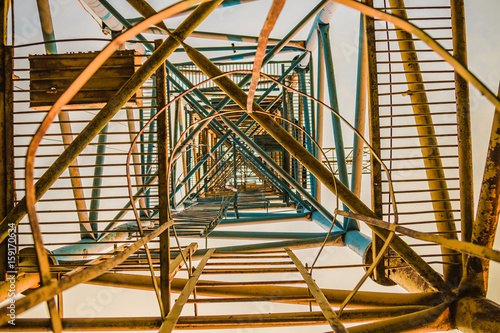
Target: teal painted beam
(264, 235)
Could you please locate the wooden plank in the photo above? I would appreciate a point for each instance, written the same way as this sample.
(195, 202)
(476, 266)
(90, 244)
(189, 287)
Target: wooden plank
(323, 303)
(173, 316)
(50, 75)
(81, 60)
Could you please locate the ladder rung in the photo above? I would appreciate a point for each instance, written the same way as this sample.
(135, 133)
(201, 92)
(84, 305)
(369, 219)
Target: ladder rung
(416, 51)
(424, 201)
(417, 147)
(422, 18)
(249, 299)
(408, 39)
(416, 136)
(411, 104)
(413, 115)
(415, 82)
(431, 28)
(415, 125)
(412, 8)
(422, 169)
(423, 180)
(419, 191)
(408, 61)
(419, 158)
(416, 72)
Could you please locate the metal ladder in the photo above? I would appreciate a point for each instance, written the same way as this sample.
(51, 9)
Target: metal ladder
(417, 124)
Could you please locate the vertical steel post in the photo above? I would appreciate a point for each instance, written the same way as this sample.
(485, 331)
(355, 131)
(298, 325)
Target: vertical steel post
(332, 90)
(305, 106)
(374, 128)
(235, 168)
(319, 107)
(308, 115)
(360, 111)
(359, 120)
(285, 164)
(337, 127)
(163, 204)
(463, 121)
(97, 181)
(6, 133)
(488, 210)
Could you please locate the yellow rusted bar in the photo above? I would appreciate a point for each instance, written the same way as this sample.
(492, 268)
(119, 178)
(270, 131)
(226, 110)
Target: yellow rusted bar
(488, 210)
(173, 316)
(476, 250)
(313, 165)
(321, 300)
(74, 173)
(176, 264)
(374, 130)
(477, 315)
(433, 319)
(22, 283)
(362, 299)
(212, 322)
(430, 147)
(6, 132)
(464, 126)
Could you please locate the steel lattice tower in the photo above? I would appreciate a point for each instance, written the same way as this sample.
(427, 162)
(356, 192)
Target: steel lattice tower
(205, 165)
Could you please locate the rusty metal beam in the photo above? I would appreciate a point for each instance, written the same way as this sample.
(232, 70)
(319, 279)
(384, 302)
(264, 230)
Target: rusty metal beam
(477, 315)
(488, 210)
(6, 132)
(433, 319)
(464, 125)
(22, 282)
(211, 322)
(362, 299)
(475, 250)
(176, 264)
(321, 300)
(173, 316)
(374, 131)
